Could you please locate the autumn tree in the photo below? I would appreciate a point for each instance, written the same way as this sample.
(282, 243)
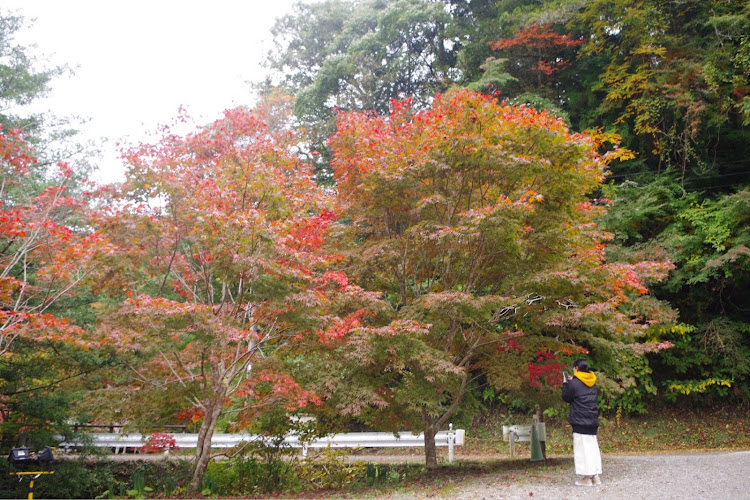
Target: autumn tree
(473, 219)
(48, 252)
(47, 247)
(219, 234)
(537, 50)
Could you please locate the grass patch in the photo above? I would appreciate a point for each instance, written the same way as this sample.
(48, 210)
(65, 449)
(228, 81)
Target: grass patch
(664, 429)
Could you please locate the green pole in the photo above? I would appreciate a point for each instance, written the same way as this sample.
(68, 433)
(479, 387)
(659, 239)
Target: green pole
(536, 445)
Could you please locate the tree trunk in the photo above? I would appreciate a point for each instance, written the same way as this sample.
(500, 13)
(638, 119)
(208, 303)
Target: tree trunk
(432, 426)
(205, 434)
(430, 452)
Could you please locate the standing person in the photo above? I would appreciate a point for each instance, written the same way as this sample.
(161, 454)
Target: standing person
(581, 393)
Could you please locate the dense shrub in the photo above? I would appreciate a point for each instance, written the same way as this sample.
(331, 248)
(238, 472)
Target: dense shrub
(87, 479)
(251, 475)
(257, 472)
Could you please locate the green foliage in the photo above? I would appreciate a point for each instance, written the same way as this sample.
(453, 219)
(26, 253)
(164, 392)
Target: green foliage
(21, 82)
(642, 209)
(707, 363)
(494, 76)
(714, 243)
(101, 479)
(635, 388)
(40, 383)
(331, 470)
(267, 473)
(252, 474)
(707, 239)
(676, 76)
(710, 243)
(139, 489)
(359, 55)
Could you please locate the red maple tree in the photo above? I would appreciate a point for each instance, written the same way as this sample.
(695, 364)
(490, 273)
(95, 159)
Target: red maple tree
(538, 48)
(473, 220)
(219, 234)
(47, 247)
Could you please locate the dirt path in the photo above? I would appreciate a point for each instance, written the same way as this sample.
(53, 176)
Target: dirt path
(716, 475)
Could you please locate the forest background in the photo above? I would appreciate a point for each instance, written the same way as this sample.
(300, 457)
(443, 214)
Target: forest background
(154, 302)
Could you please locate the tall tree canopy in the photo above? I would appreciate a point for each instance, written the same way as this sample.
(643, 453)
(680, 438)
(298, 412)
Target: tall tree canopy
(359, 55)
(21, 82)
(47, 251)
(677, 74)
(219, 234)
(670, 77)
(473, 219)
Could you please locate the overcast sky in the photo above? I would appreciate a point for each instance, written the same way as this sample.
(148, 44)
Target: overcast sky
(136, 62)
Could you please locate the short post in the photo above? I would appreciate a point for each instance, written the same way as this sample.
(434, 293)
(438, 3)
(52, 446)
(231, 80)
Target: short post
(451, 442)
(536, 447)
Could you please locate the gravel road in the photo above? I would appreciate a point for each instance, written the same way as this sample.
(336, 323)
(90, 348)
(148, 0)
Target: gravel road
(716, 475)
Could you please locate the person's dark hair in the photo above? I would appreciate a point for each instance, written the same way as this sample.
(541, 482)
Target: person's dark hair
(581, 364)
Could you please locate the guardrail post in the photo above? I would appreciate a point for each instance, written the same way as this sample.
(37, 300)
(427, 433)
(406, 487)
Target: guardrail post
(451, 442)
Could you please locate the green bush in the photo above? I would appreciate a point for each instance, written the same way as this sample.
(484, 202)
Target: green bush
(709, 362)
(103, 479)
(380, 474)
(71, 479)
(330, 471)
(259, 470)
(268, 473)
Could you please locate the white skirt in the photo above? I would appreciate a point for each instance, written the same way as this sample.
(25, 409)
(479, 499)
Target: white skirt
(586, 454)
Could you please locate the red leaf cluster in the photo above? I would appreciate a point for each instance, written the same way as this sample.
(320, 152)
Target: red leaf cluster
(546, 368)
(42, 245)
(541, 43)
(159, 441)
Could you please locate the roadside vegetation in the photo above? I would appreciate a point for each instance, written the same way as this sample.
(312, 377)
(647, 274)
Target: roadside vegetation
(268, 473)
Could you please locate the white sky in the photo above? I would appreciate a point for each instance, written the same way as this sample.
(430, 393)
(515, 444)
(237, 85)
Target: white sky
(136, 62)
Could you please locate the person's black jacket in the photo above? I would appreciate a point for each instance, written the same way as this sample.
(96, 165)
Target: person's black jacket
(584, 410)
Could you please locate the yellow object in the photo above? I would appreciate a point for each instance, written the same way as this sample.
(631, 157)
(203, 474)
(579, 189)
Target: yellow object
(587, 378)
(35, 475)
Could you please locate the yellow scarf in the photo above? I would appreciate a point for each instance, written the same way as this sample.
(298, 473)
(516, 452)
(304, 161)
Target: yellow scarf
(587, 378)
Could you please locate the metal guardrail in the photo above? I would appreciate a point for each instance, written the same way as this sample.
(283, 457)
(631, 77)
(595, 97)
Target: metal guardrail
(112, 427)
(121, 442)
